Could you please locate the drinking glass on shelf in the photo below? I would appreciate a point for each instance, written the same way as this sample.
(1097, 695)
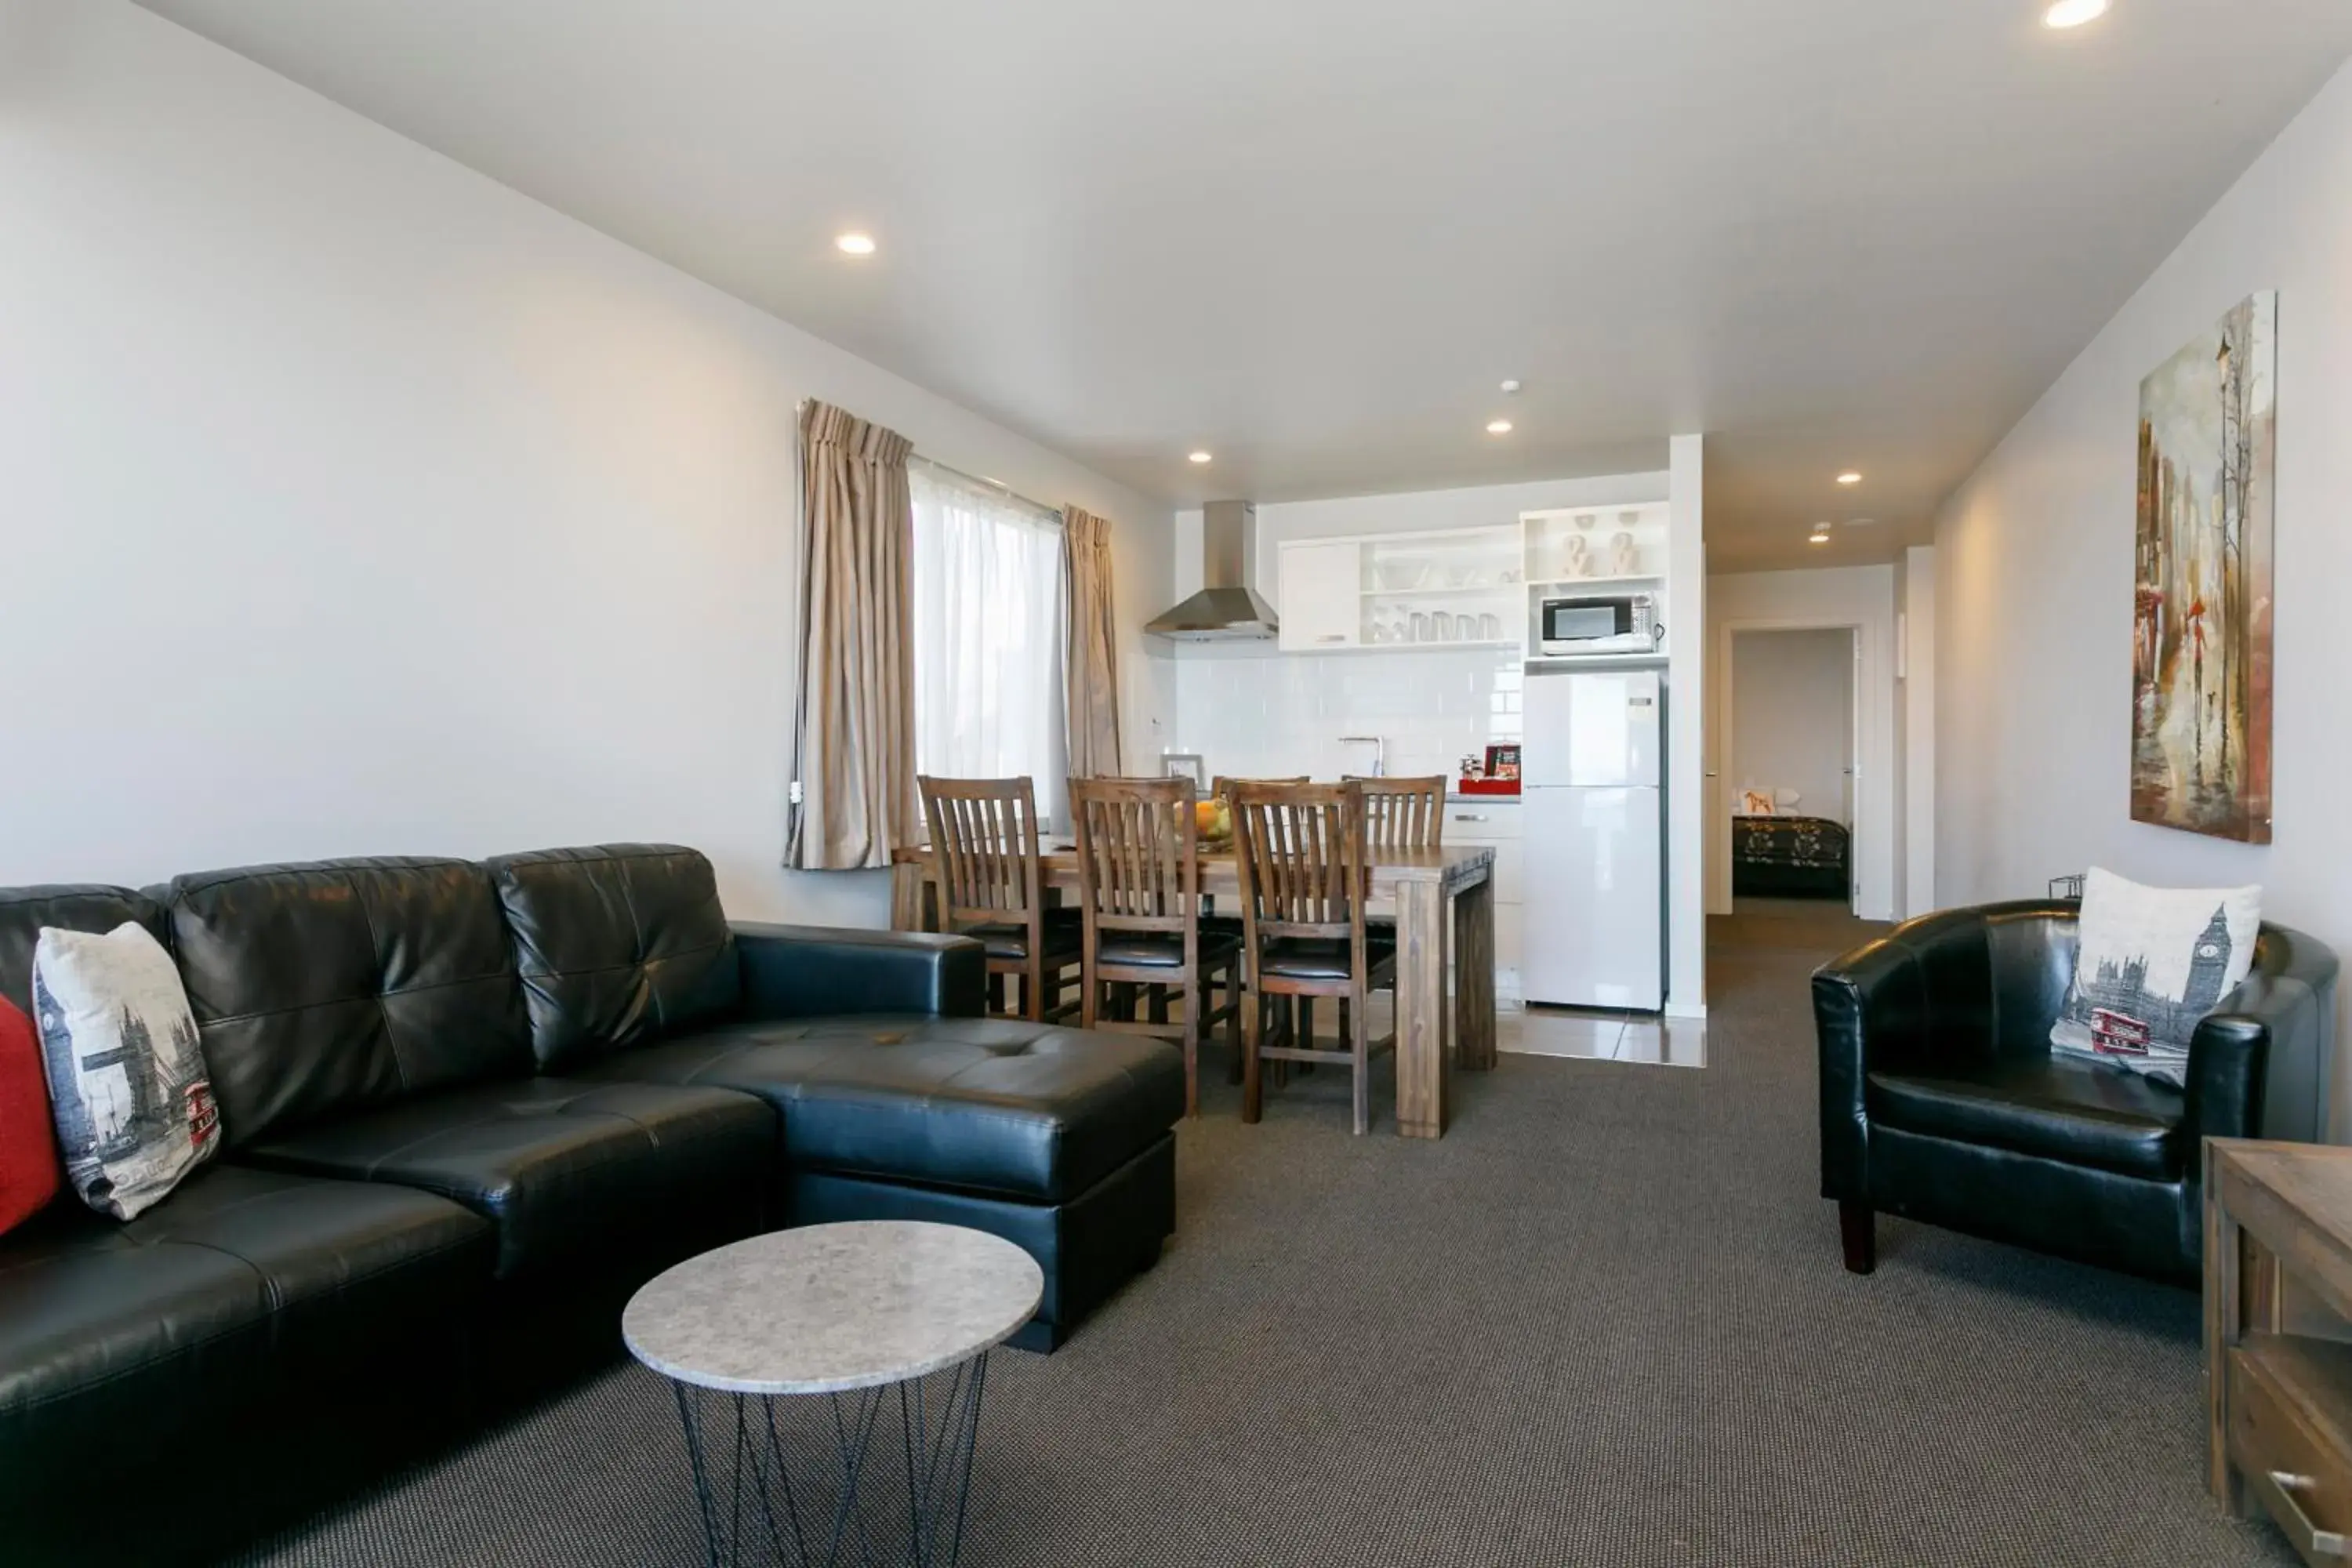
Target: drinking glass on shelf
(1490, 629)
(1420, 628)
(1441, 627)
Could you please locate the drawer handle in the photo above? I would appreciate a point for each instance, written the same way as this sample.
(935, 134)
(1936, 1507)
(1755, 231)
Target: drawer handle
(2308, 1537)
(1472, 816)
(1335, 636)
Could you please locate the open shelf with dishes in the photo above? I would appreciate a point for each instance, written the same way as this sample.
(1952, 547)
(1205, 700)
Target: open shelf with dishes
(1471, 587)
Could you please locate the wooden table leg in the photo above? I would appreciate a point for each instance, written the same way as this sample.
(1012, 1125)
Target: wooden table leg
(1420, 1010)
(1473, 976)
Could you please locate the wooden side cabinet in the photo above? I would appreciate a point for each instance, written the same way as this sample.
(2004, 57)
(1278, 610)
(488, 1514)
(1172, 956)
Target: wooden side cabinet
(2278, 1338)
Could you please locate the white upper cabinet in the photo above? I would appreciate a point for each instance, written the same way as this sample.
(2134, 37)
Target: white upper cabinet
(1321, 593)
(1460, 587)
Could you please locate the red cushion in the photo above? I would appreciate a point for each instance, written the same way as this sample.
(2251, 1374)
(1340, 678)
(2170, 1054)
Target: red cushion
(29, 1173)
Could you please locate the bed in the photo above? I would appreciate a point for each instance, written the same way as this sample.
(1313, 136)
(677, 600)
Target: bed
(1789, 857)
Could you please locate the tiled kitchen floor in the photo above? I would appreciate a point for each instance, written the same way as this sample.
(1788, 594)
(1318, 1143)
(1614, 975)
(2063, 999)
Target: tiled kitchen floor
(1605, 1036)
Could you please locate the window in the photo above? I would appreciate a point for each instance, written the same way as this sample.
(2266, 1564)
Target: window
(989, 612)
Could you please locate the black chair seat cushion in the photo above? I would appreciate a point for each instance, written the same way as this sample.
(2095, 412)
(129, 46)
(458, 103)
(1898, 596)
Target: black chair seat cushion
(1143, 951)
(988, 1105)
(566, 1171)
(178, 1317)
(2079, 1113)
(1321, 958)
(1010, 943)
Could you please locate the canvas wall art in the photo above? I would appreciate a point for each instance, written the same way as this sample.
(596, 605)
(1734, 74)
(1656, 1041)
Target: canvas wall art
(2201, 623)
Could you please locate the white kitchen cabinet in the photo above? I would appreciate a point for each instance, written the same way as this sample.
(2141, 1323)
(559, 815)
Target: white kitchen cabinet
(1322, 595)
(1459, 588)
(1496, 822)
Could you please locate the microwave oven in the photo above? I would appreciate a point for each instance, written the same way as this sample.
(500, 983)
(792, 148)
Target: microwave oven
(1623, 623)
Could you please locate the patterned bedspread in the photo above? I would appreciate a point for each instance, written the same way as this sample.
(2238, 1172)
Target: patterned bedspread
(1807, 841)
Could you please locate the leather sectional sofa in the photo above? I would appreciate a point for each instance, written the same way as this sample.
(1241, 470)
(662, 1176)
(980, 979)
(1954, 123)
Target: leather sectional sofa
(466, 1105)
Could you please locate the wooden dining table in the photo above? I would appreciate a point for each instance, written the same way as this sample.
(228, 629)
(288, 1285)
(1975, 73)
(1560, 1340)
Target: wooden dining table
(1441, 898)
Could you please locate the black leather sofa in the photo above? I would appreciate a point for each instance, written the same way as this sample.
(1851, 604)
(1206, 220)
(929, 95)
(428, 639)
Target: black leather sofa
(1942, 1101)
(466, 1105)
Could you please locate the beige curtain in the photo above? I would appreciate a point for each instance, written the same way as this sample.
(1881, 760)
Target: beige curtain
(1090, 670)
(853, 742)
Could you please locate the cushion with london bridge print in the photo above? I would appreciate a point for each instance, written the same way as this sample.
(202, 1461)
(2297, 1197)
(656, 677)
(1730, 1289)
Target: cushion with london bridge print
(2151, 963)
(128, 1088)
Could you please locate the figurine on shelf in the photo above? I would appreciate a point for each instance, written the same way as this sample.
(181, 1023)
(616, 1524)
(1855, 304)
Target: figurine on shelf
(1576, 558)
(1625, 556)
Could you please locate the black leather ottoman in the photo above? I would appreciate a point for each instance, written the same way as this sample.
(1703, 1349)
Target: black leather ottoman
(1057, 1141)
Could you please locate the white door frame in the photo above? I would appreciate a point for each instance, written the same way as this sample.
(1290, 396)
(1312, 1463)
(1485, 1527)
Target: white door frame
(1871, 837)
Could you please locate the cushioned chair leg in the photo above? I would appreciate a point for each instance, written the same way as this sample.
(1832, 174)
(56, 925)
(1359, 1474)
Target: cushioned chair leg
(1858, 1230)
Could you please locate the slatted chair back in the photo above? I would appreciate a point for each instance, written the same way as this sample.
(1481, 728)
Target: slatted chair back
(985, 837)
(1304, 862)
(1224, 787)
(1138, 855)
(1403, 814)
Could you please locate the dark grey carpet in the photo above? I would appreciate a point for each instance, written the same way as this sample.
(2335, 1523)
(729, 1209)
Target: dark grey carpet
(1604, 1322)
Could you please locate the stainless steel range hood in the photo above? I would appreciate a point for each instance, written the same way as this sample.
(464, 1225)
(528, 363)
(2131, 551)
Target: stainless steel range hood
(1227, 607)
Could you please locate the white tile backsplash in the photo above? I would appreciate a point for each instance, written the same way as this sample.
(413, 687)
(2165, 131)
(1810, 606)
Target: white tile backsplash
(1255, 713)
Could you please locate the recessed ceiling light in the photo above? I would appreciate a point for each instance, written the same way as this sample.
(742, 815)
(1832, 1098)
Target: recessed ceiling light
(1817, 539)
(2075, 13)
(855, 243)
(1499, 426)
(1849, 477)
(1511, 385)
(1200, 457)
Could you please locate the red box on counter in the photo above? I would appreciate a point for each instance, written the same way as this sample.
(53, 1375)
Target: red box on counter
(1486, 786)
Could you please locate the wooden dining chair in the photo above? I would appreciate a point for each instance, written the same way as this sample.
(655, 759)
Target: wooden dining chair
(991, 887)
(1305, 872)
(1224, 787)
(1400, 815)
(1139, 904)
(1403, 814)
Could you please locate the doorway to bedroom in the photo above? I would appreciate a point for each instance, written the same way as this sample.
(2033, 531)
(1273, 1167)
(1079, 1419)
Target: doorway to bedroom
(1791, 741)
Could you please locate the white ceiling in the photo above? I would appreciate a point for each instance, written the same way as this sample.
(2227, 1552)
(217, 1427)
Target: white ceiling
(1314, 235)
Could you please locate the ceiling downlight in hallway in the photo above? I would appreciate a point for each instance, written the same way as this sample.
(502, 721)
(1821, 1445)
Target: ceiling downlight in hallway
(2075, 13)
(854, 244)
(1197, 457)
(1499, 426)
(1850, 478)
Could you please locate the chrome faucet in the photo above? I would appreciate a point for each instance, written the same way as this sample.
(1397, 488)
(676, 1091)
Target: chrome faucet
(1379, 752)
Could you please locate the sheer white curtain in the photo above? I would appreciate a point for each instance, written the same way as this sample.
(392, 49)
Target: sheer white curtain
(990, 587)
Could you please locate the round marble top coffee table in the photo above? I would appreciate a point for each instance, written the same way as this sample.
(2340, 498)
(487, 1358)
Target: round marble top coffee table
(857, 1315)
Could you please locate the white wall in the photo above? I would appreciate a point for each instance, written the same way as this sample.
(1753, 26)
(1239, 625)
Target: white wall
(357, 504)
(1792, 721)
(1267, 714)
(1858, 596)
(1693, 681)
(2034, 622)
(1915, 671)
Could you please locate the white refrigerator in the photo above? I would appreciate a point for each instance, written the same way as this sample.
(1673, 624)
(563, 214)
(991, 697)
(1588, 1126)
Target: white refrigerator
(1595, 828)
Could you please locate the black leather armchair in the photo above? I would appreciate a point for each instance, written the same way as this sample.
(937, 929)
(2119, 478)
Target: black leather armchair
(1941, 1100)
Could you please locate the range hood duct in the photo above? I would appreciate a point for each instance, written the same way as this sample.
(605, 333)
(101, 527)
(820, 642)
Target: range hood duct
(1226, 608)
